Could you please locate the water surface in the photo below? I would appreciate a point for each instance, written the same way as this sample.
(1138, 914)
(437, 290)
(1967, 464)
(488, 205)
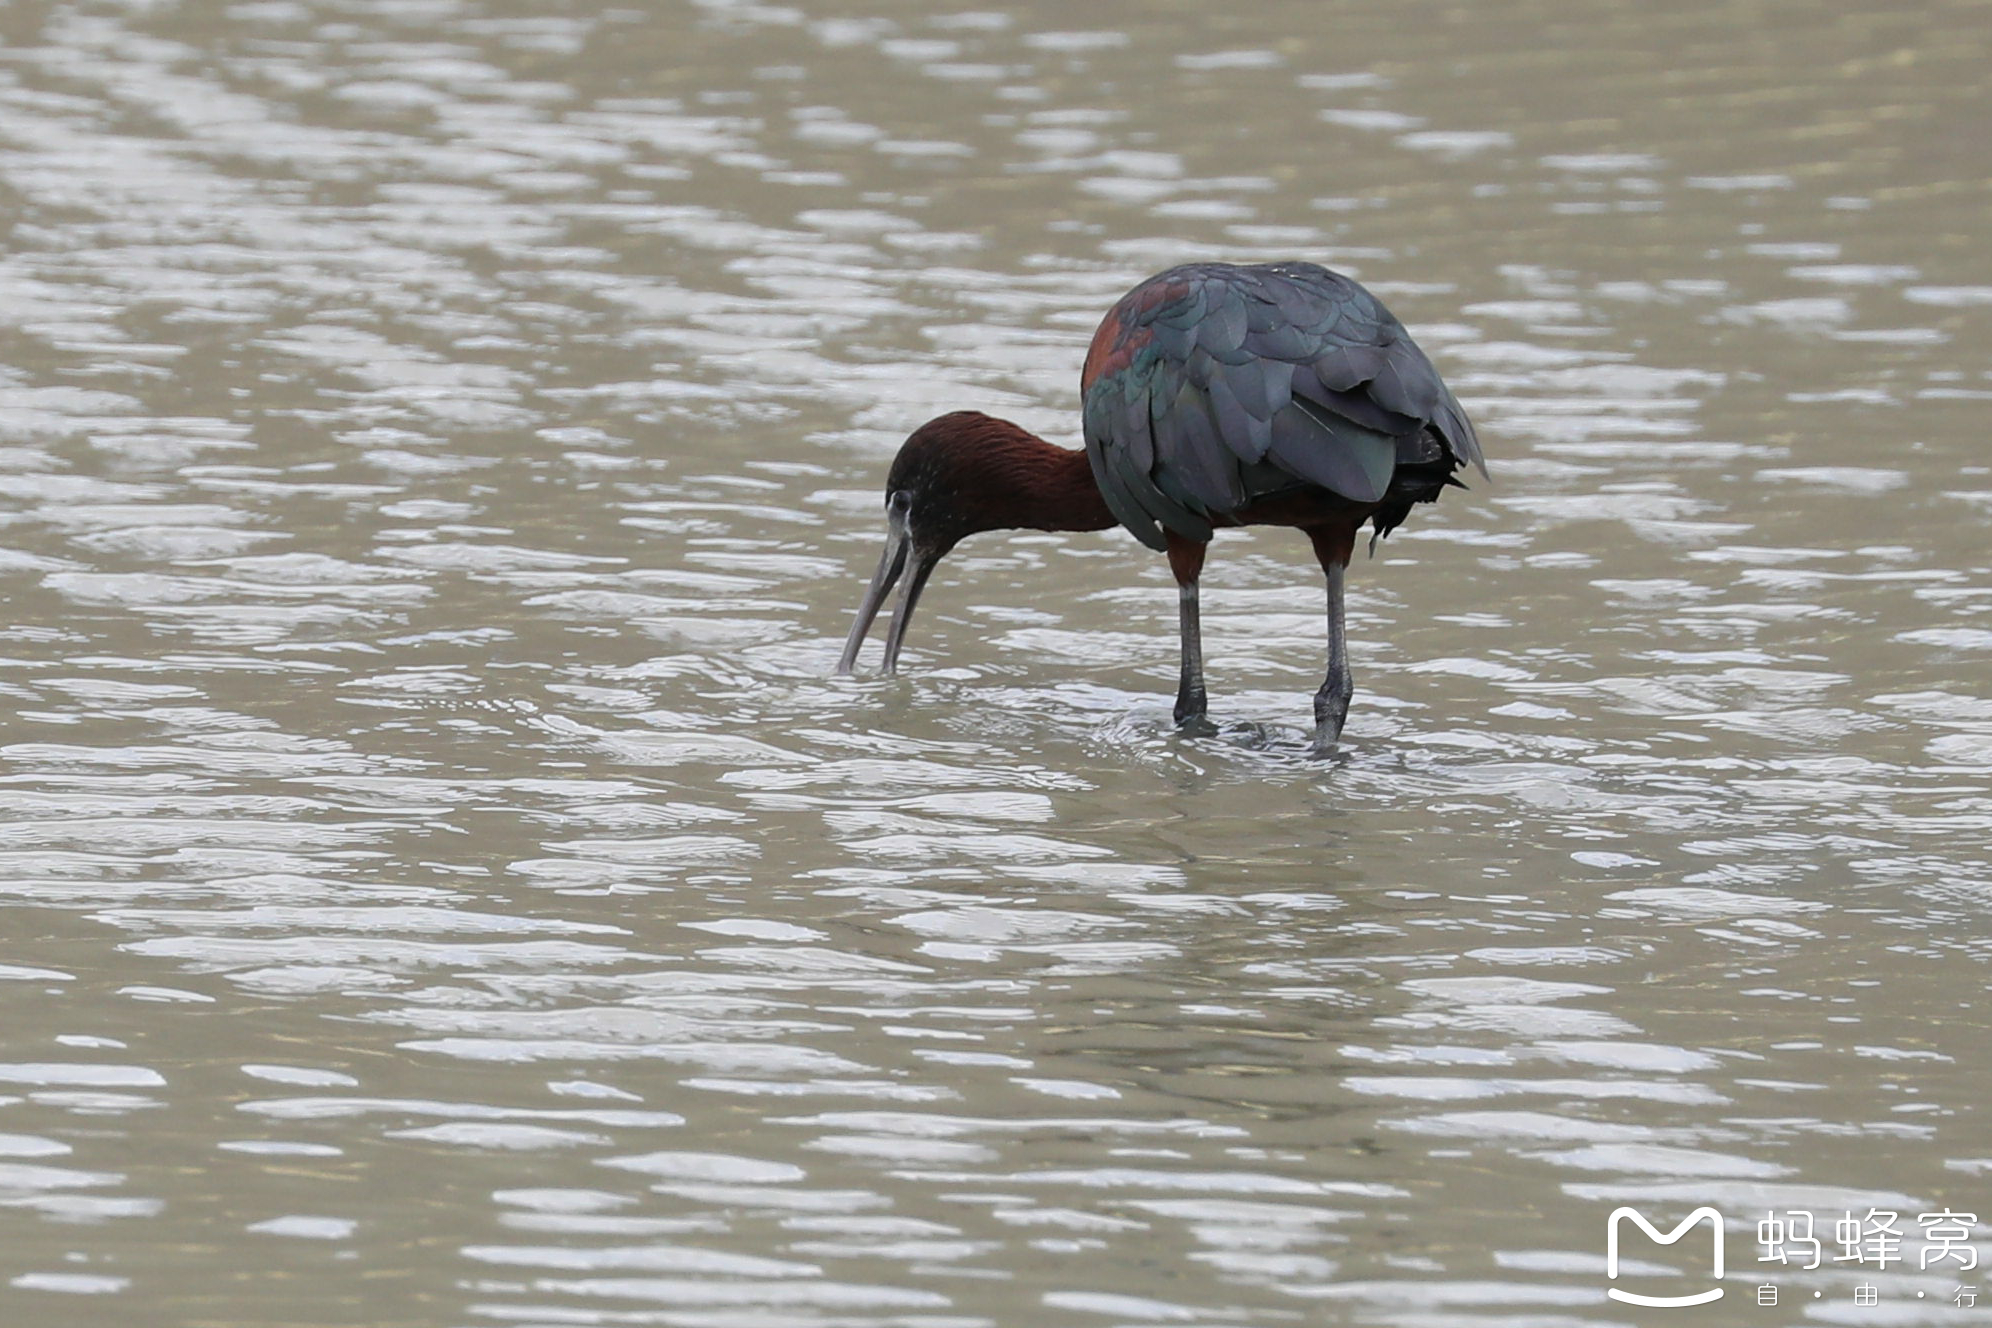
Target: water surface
(440, 446)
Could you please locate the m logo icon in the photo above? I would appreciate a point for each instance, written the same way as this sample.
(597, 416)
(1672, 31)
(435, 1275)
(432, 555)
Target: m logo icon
(1692, 1219)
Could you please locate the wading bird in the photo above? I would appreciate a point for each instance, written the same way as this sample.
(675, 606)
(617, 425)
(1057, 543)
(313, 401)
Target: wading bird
(1215, 395)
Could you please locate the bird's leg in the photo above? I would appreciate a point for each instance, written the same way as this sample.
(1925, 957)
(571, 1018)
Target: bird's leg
(1333, 546)
(1191, 699)
(1186, 561)
(1331, 703)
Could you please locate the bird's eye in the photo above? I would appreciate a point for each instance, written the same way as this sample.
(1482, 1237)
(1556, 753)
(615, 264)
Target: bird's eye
(901, 502)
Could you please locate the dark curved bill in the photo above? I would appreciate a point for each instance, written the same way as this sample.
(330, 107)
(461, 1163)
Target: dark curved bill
(890, 564)
(902, 613)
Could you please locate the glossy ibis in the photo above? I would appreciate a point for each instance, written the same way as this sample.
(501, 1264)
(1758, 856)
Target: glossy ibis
(1215, 395)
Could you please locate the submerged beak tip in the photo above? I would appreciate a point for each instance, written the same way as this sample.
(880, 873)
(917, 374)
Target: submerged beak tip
(889, 565)
(901, 555)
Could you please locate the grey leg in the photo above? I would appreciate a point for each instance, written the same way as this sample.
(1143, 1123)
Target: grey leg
(1331, 703)
(1190, 699)
(1186, 560)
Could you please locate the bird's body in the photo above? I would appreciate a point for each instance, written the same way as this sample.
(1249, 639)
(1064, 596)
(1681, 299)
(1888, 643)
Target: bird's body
(1214, 395)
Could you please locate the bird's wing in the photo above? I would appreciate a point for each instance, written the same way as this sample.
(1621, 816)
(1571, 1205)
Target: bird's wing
(1210, 385)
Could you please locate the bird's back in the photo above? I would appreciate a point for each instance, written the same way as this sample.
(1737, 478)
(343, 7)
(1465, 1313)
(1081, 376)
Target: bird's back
(1211, 387)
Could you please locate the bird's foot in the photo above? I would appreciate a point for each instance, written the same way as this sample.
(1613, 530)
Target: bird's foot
(1329, 714)
(1331, 710)
(1196, 724)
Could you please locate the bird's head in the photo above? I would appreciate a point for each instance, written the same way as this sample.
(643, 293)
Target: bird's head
(943, 486)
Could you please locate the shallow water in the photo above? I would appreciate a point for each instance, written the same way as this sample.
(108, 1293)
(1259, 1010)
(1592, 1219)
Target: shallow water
(440, 447)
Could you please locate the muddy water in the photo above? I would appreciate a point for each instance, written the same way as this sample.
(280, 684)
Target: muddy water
(440, 446)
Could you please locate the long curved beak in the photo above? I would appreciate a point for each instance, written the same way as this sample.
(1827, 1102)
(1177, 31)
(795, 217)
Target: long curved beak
(902, 613)
(899, 550)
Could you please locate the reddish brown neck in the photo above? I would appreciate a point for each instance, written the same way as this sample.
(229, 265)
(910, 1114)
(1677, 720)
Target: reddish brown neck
(1003, 477)
(1055, 490)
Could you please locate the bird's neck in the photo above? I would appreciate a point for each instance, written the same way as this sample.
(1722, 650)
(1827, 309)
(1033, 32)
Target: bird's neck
(1025, 483)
